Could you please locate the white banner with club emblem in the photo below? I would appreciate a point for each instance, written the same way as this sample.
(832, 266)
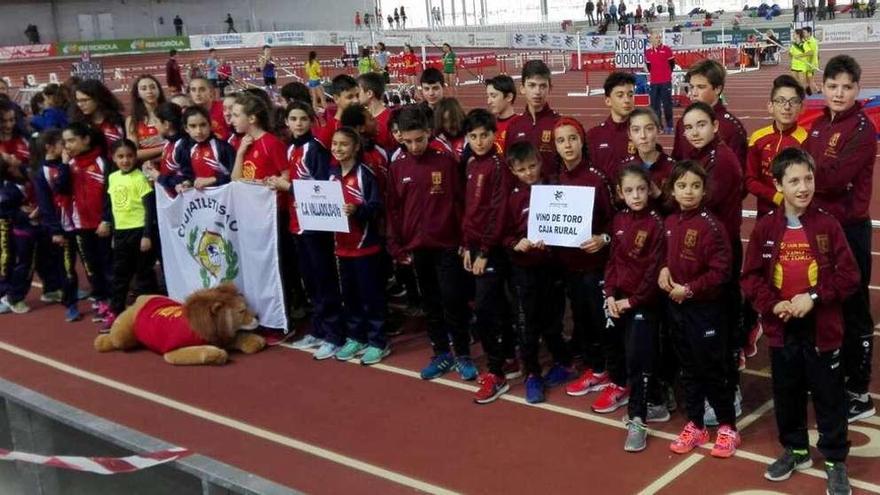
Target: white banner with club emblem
(226, 233)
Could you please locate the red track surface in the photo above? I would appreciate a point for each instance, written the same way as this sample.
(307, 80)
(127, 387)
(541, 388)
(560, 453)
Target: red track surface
(388, 418)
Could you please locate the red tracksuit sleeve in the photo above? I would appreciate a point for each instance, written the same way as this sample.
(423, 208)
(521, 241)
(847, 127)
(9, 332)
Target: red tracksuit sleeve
(754, 183)
(755, 281)
(656, 252)
(716, 250)
(277, 158)
(845, 275)
(836, 174)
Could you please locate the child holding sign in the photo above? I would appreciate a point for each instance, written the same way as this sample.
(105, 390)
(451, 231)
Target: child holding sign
(697, 265)
(632, 298)
(585, 266)
(536, 281)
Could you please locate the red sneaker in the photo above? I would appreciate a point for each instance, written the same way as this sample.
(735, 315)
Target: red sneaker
(512, 369)
(690, 438)
(726, 442)
(491, 387)
(586, 383)
(755, 334)
(612, 398)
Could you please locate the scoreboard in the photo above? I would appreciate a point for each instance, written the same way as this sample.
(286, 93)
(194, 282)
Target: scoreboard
(629, 53)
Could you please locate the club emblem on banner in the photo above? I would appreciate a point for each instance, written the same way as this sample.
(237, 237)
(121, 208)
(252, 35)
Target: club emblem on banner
(216, 257)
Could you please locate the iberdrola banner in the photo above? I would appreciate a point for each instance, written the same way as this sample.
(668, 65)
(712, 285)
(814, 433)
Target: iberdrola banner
(220, 234)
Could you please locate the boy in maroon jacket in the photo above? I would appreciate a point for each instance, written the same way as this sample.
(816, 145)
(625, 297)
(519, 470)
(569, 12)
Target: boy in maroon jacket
(798, 271)
(535, 125)
(843, 143)
(706, 80)
(609, 141)
(488, 183)
(536, 281)
(424, 208)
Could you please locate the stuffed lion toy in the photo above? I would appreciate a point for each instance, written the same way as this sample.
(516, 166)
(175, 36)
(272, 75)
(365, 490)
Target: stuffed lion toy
(196, 332)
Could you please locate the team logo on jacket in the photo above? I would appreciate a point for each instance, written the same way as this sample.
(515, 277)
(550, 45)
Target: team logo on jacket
(436, 182)
(641, 237)
(690, 238)
(630, 148)
(546, 136)
(831, 150)
(216, 256)
(248, 170)
(822, 243)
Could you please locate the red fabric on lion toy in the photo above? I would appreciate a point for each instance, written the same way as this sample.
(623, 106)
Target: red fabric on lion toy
(196, 332)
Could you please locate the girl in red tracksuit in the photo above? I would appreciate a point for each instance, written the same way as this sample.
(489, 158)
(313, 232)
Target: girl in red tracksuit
(449, 127)
(204, 160)
(309, 160)
(260, 154)
(697, 265)
(167, 174)
(98, 108)
(91, 208)
(632, 297)
(585, 266)
(359, 252)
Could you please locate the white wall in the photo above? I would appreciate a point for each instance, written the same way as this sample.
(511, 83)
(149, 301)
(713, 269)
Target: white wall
(139, 18)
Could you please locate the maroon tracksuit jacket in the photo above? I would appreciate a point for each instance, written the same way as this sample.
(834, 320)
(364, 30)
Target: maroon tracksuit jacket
(838, 273)
(637, 253)
(659, 171)
(575, 259)
(844, 149)
(537, 130)
(730, 129)
(488, 185)
(698, 252)
(609, 144)
(724, 198)
(516, 227)
(424, 203)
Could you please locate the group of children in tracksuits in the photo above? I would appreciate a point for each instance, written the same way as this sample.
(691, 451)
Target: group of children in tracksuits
(662, 271)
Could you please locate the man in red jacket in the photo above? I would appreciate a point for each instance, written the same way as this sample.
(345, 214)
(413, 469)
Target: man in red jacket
(536, 124)
(798, 271)
(424, 207)
(609, 141)
(843, 143)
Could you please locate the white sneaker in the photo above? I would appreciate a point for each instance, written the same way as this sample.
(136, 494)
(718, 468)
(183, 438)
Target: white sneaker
(53, 297)
(307, 342)
(709, 418)
(18, 308)
(326, 351)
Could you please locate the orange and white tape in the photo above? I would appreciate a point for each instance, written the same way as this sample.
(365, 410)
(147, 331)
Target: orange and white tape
(99, 465)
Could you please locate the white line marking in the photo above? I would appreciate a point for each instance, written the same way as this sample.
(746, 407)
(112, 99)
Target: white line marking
(671, 475)
(754, 415)
(231, 423)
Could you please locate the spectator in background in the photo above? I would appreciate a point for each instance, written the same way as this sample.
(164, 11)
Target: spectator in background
(811, 10)
(403, 16)
(230, 23)
(639, 14)
(612, 11)
(33, 35)
(390, 22)
(660, 61)
(211, 66)
(173, 78)
(224, 76)
(357, 20)
(621, 12)
(178, 25)
(670, 7)
(831, 5)
(821, 11)
(381, 57)
(367, 19)
(396, 18)
(588, 11)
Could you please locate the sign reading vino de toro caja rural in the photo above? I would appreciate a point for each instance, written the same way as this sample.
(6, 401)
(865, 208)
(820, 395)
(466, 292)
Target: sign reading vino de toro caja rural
(561, 215)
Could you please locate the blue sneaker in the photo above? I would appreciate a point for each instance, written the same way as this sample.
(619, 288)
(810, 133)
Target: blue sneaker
(557, 375)
(467, 370)
(534, 389)
(439, 365)
(72, 314)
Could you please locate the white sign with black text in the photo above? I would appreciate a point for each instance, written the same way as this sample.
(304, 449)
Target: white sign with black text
(319, 205)
(561, 215)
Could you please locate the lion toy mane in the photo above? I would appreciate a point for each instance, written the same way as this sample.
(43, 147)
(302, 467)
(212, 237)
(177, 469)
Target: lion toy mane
(199, 331)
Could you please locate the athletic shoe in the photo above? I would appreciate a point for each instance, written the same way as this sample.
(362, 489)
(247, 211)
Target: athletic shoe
(690, 438)
(586, 383)
(860, 406)
(326, 351)
(18, 308)
(52, 297)
(534, 389)
(789, 462)
(466, 368)
(109, 318)
(491, 387)
(439, 365)
(83, 294)
(373, 355)
(726, 442)
(4, 308)
(636, 435)
(755, 334)
(307, 342)
(511, 369)
(72, 314)
(709, 418)
(611, 399)
(557, 375)
(657, 413)
(101, 308)
(350, 350)
(838, 481)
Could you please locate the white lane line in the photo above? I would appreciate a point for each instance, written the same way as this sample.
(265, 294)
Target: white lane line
(754, 415)
(671, 475)
(228, 422)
